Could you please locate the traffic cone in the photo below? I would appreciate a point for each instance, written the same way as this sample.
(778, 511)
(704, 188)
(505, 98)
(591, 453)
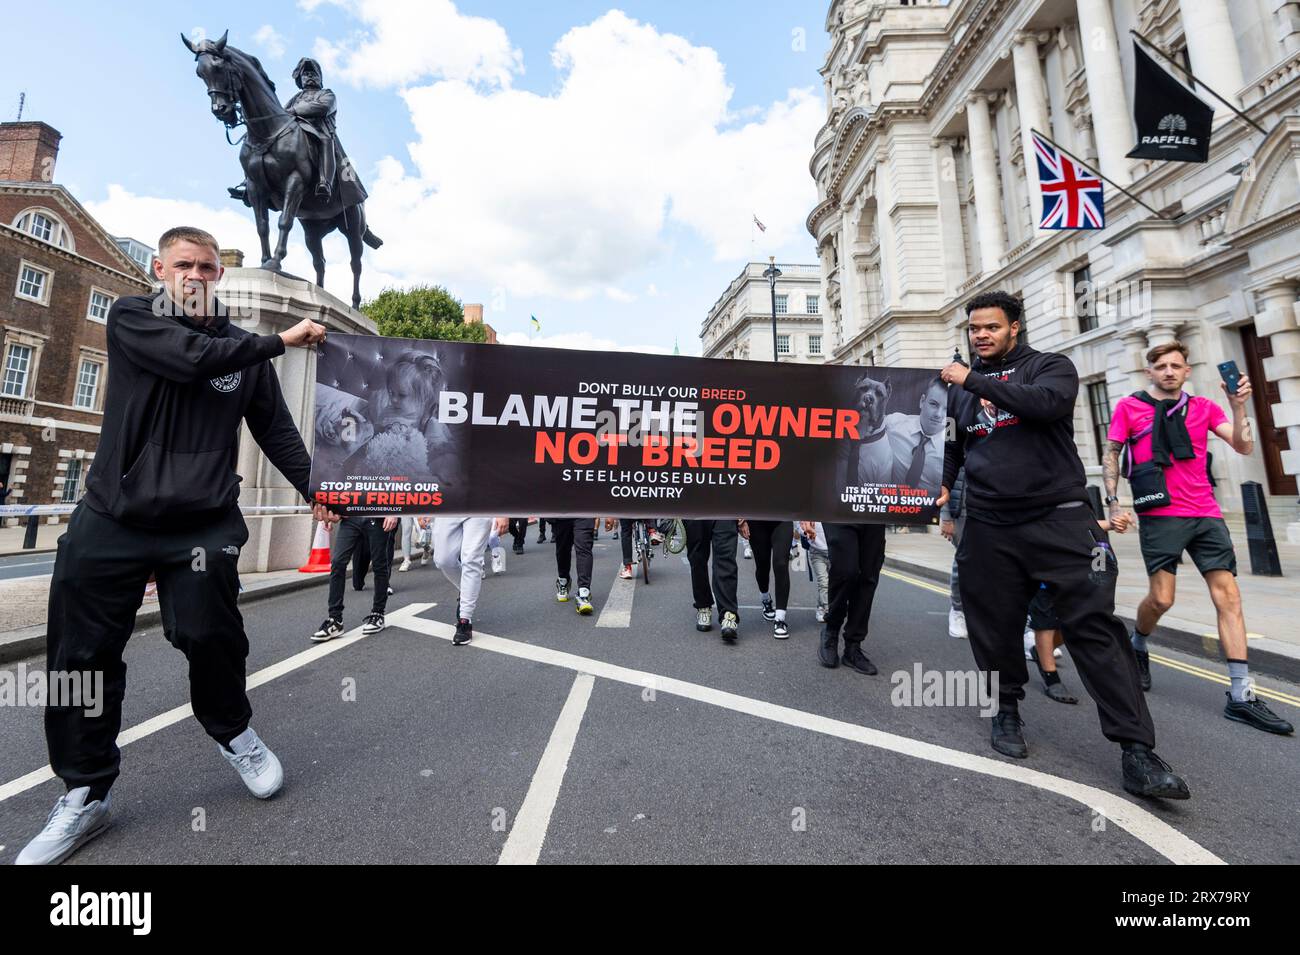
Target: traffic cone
(318, 561)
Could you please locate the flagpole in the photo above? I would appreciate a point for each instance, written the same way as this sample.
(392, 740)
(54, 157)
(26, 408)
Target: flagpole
(1095, 173)
(1188, 73)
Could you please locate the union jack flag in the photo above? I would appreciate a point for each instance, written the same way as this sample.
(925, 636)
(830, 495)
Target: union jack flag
(1072, 196)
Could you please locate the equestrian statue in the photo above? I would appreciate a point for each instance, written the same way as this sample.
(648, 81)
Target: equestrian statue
(293, 161)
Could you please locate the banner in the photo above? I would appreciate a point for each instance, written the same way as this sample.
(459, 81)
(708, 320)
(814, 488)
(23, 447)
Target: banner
(430, 427)
(1172, 122)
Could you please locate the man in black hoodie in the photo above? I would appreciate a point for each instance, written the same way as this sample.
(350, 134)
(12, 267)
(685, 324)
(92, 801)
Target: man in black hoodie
(162, 499)
(1028, 522)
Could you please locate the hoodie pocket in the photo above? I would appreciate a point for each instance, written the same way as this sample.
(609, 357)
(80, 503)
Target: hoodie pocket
(165, 484)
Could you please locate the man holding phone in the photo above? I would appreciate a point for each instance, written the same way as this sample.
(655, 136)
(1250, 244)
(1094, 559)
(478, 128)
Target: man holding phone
(1171, 429)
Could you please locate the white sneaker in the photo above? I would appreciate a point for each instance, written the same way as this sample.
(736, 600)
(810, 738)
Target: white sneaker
(1029, 644)
(71, 824)
(406, 565)
(821, 616)
(957, 625)
(257, 765)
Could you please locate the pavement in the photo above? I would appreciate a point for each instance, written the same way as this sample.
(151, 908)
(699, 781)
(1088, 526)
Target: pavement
(1270, 604)
(628, 737)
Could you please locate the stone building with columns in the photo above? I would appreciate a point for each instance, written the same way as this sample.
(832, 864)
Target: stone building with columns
(739, 325)
(927, 193)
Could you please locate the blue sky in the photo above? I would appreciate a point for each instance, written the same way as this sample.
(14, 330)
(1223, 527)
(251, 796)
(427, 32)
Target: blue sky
(596, 166)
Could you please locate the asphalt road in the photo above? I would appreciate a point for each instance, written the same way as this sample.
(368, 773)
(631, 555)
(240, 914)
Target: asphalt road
(558, 738)
(13, 566)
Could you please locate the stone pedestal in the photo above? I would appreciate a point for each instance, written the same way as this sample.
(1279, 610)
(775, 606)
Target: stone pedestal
(267, 303)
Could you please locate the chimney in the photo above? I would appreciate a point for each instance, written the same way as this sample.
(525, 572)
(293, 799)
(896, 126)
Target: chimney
(473, 314)
(28, 152)
(231, 258)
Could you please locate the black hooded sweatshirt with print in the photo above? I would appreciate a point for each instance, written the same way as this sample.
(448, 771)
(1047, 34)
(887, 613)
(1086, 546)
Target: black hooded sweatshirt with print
(177, 393)
(1014, 431)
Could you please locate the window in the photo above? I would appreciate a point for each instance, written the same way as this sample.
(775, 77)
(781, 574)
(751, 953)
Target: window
(72, 482)
(814, 344)
(1099, 406)
(44, 225)
(1085, 299)
(782, 341)
(782, 304)
(33, 283)
(87, 385)
(100, 302)
(41, 227)
(18, 363)
(814, 305)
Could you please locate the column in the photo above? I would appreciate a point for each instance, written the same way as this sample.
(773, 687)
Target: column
(1287, 15)
(1110, 110)
(1213, 49)
(851, 319)
(890, 293)
(953, 249)
(1031, 100)
(1277, 319)
(988, 208)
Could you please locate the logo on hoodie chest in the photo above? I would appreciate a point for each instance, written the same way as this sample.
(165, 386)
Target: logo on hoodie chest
(227, 383)
(990, 417)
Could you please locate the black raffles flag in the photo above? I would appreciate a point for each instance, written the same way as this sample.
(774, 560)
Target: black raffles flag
(1172, 123)
(432, 427)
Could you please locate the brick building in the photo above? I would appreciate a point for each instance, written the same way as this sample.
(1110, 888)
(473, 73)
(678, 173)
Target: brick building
(59, 273)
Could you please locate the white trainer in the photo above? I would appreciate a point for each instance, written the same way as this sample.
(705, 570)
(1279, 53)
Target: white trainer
(406, 565)
(957, 625)
(257, 766)
(71, 824)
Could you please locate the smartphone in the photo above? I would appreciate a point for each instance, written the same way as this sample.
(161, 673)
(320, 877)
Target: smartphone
(1230, 375)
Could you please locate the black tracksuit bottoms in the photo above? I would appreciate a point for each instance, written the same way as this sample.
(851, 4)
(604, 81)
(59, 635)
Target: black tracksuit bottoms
(519, 531)
(349, 534)
(1000, 566)
(770, 542)
(570, 534)
(857, 553)
(718, 537)
(98, 584)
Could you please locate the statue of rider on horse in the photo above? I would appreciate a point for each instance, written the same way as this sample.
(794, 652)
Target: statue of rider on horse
(293, 161)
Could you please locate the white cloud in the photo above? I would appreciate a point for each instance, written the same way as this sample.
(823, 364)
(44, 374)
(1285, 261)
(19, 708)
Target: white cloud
(269, 40)
(404, 41)
(584, 341)
(569, 194)
(147, 217)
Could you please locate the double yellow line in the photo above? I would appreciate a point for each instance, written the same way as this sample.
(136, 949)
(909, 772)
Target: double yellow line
(1188, 668)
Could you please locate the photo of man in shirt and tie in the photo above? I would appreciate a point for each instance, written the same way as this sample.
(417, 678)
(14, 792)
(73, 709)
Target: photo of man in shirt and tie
(916, 440)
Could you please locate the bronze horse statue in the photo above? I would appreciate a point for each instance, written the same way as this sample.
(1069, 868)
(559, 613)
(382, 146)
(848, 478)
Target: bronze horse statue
(281, 154)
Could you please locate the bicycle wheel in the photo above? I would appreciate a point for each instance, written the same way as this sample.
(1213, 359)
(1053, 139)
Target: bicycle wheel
(675, 538)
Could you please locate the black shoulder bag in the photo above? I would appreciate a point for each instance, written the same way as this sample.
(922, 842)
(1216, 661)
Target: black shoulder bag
(1147, 480)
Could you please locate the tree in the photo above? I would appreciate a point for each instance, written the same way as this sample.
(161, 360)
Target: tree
(425, 311)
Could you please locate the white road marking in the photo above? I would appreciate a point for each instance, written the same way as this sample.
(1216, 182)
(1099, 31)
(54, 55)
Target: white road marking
(1141, 824)
(524, 844)
(617, 611)
(175, 715)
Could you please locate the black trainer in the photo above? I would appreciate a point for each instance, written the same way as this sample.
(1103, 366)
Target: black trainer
(1058, 692)
(1146, 774)
(855, 659)
(769, 609)
(328, 630)
(1144, 669)
(829, 651)
(1253, 712)
(1006, 736)
(464, 632)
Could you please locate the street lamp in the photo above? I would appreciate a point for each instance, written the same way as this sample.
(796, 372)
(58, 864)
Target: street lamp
(772, 273)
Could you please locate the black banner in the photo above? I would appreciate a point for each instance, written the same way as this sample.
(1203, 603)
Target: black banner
(1172, 123)
(426, 427)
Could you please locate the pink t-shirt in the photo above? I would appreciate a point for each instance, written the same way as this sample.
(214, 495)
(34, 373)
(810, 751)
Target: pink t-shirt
(1187, 481)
